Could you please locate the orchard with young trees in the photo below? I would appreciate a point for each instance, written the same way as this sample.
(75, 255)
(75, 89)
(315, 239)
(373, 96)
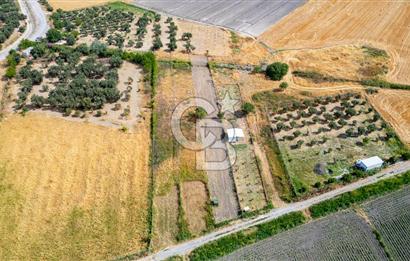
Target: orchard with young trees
(117, 28)
(10, 20)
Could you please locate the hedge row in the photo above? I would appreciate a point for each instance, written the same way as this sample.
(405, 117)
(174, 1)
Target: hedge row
(384, 84)
(357, 196)
(228, 244)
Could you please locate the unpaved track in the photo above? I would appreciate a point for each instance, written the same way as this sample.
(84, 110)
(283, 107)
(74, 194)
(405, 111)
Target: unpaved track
(220, 183)
(188, 246)
(36, 24)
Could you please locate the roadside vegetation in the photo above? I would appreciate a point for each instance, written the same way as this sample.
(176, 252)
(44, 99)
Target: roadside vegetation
(10, 19)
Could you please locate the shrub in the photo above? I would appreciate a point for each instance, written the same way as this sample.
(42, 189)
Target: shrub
(248, 107)
(54, 35)
(347, 199)
(283, 85)
(276, 71)
(199, 113)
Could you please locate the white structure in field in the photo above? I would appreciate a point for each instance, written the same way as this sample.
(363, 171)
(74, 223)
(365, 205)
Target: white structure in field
(370, 163)
(235, 135)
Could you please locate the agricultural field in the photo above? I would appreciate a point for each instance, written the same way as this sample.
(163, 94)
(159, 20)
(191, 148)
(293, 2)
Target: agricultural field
(393, 106)
(71, 190)
(12, 22)
(67, 5)
(251, 18)
(321, 24)
(79, 86)
(390, 215)
(344, 234)
(181, 196)
(123, 26)
(248, 182)
(323, 137)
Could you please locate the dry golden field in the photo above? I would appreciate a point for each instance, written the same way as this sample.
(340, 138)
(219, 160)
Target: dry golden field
(68, 5)
(317, 24)
(393, 105)
(71, 191)
(176, 165)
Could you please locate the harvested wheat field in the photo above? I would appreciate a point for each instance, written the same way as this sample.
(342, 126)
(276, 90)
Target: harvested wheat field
(384, 24)
(71, 191)
(393, 105)
(68, 5)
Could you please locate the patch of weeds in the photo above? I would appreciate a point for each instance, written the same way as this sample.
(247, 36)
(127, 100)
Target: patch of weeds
(374, 52)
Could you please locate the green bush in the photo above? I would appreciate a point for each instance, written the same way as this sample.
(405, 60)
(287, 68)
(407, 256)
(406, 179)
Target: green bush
(283, 85)
(347, 199)
(248, 107)
(54, 35)
(276, 71)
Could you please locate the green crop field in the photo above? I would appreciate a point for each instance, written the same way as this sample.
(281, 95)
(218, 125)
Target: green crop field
(391, 216)
(343, 236)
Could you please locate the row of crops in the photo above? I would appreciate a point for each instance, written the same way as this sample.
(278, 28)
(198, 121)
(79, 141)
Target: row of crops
(390, 215)
(10, 18)
(344, 236)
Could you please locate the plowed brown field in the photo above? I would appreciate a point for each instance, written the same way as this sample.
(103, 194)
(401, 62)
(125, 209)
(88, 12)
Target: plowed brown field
(393, 105)
(384, 24)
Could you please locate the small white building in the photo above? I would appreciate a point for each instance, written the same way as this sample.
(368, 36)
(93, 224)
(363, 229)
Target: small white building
(370, 163)
(27, 52)
(235, 135)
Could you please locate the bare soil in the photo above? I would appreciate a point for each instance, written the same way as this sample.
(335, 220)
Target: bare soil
(194, 198)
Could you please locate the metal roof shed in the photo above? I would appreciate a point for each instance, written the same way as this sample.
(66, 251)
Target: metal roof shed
(370, 163)
(235, 134)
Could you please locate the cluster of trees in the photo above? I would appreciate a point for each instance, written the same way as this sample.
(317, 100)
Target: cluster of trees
(142, 24)
(157, 43)
(27, 77)
(276, 71)
(172, 30)
(96, 21)
(188, 45)
(47, 5)
(85, 85)
(10, 18)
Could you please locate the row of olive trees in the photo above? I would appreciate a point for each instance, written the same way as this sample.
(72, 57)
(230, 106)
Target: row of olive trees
(10, 18)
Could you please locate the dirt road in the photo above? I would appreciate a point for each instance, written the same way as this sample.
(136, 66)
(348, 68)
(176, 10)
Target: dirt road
(188, 246)
(36, 24)
(220, 182)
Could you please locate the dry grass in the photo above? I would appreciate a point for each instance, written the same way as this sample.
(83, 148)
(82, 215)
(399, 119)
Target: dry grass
(393, 105)
(194, 198)
(69, 5)
(74, 191)
(177, 165)
(318, 24)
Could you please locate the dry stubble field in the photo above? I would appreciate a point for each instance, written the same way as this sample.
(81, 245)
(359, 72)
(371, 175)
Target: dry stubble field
(318, 24)
(393, 105)
(71, 191)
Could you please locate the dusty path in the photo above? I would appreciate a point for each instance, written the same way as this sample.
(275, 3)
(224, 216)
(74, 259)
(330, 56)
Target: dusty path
(221, 184)
(188, 246)
(36, 24)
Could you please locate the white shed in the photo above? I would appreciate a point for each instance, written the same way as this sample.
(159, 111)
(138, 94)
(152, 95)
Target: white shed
(235, 134)
(370, 163)
(27, 52)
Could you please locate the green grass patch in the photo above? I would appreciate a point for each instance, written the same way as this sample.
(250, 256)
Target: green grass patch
(183, 229)
(176, 64)
(349, 198)
(374, 52)
(228, 244)
(318, 77)
(129, 8)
